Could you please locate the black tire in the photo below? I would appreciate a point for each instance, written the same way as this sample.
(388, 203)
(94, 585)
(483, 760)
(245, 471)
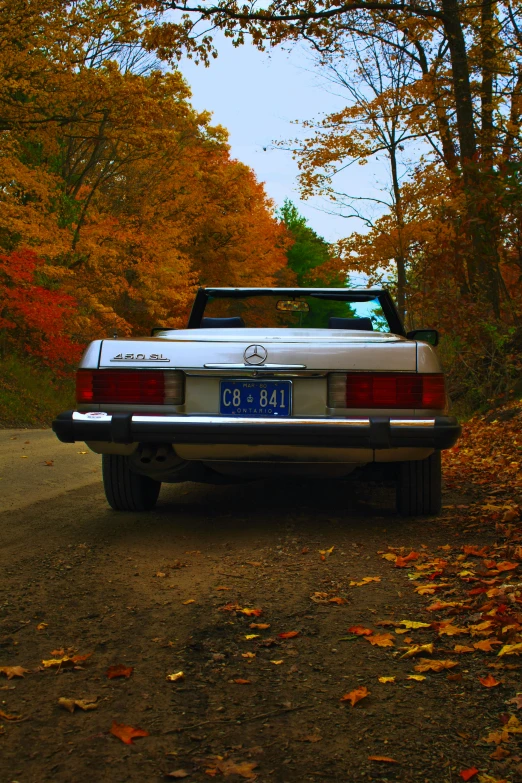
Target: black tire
(419, 487)
(125, 490)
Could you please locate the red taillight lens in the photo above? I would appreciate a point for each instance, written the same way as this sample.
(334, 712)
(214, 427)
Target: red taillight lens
(386, 390)
(143, 387)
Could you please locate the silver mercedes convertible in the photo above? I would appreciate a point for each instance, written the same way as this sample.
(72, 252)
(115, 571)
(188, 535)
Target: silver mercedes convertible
(265, 382)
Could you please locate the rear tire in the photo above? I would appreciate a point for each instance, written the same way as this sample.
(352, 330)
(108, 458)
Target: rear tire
(125, 490)
(419, 487)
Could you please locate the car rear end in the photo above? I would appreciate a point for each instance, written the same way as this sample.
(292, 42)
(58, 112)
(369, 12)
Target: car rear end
(188, 405)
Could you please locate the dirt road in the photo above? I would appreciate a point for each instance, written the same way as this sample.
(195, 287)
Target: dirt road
(166, 592)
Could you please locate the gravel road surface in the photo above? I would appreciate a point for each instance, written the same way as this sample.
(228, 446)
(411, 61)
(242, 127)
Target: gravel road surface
(238, 588)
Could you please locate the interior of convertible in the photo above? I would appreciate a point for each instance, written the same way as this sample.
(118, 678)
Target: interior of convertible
(280, 311)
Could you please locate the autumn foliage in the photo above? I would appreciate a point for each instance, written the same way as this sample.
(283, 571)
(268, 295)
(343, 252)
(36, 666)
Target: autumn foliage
(117, 198)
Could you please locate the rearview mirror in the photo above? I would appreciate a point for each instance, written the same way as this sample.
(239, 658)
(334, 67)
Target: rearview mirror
(291, 306)
(430, 336)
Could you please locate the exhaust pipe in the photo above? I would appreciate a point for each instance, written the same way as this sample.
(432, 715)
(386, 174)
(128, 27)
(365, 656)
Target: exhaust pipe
(162, 453)
(147, 455)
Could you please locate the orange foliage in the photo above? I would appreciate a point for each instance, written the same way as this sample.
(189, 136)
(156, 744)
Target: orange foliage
(117, 198)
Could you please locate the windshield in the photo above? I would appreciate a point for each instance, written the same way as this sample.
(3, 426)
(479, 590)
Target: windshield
(310, 311)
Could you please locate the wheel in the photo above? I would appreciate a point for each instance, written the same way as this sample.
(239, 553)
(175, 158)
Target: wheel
(419, 486)
(125, 490)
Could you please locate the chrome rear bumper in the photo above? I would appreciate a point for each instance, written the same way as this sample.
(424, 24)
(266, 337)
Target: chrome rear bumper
(374, 432)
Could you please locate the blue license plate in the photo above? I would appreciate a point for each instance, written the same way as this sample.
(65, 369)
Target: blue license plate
(255, 398)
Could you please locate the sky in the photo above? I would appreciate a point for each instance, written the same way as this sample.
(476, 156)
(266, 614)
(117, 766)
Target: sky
(256, 96)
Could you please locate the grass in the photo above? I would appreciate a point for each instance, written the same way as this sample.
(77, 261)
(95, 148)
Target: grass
(31, 396)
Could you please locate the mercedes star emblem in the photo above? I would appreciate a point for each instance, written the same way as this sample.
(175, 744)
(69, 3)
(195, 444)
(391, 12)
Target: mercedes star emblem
(255, 354)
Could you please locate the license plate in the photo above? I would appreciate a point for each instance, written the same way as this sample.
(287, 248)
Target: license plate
(255, 398)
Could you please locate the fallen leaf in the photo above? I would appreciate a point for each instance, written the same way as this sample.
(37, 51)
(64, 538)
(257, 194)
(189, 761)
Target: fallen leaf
(189, 601)
(248, 655)
(485, 626)
(7, 716)
(403, 562)
(467, 774)
(386, 679)
(517, 700)
(13, 671)
(42, 626)
(506, 566)
(510, 649)
(486, 645)
(451, 630)
(251, 612)
(413, 624)
(326, 552)
(454, 677)
(336, 600)
(244, 768)
(416, 677)
(462, 648)
(66, 660)
(127, 733)
(497, 737)
(360, 630)
(356, 695)
(175, 677)
(417, 649)
(365, 581)
(83, 704)
(425, 665)
(277, 663)
(222, 587)
(489, 681)
(381, 639)
(240, 681)
(441, 605)
(178, 773)
(474, 550)
(288, 634)
(500, 753)
(428, 589)
(389, 556)
(260, 626)
(385, 759)
(119, 670)
(252, 636)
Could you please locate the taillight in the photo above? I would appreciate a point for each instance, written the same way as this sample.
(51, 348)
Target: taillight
(141, 387)
(386, 390)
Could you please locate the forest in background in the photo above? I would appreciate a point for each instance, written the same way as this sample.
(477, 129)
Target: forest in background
(117, 198)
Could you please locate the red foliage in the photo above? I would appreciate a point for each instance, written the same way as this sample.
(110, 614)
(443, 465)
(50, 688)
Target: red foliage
(38, 320)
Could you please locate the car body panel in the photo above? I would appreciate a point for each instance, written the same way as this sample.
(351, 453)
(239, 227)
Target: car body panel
(305, 357)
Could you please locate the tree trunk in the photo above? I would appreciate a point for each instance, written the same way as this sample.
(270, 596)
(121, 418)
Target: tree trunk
(481, 216)
(400, 256)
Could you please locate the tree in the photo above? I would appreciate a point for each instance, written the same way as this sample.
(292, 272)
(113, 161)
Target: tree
(120, 194)
(375, 122)
(470, 83)
(309, 256)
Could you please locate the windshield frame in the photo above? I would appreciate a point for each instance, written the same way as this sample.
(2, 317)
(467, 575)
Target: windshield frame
(337, 294)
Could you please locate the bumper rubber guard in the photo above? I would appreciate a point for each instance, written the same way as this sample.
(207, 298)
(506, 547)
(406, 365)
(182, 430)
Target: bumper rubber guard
(374, 432)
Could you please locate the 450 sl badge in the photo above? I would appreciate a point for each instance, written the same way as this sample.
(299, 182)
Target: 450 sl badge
(139, 357)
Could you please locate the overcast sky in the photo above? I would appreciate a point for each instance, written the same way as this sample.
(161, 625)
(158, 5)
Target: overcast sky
(256, 96)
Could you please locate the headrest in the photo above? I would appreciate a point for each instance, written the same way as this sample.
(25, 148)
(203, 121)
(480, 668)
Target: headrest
(222, 323)
(363, 324)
